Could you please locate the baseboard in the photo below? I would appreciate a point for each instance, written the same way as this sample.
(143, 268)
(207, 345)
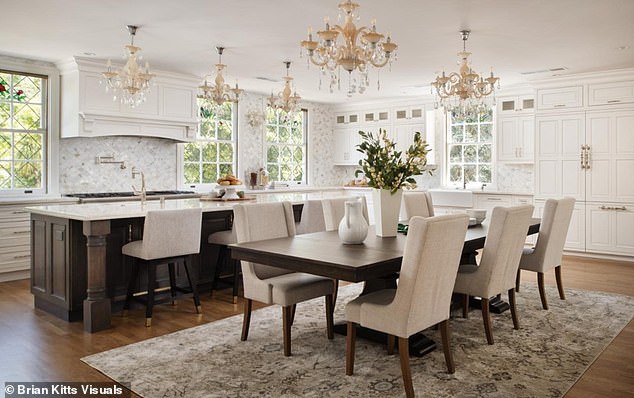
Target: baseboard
(15, 275)
(610, 257)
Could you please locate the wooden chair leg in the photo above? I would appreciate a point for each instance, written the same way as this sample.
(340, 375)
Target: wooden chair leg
(149, 305)
(486, 317)
(131, 285)
(350, 342)
(560, 285)
(329, 317)
(246, 319)
(292, 318)
(465, 306)
(446, 345)
(403, 349)
(542, 292)
(192, 285)
(516, 322)
(216, 271)
(236, 280)
(286, 326)
(517, 281)
(390, 344)
(172, 275)
(334, 294)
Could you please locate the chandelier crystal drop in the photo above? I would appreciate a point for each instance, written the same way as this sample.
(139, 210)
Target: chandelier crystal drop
(215, 95)
(287, 100)
(358, 50)
(465, 92)
(131, 83)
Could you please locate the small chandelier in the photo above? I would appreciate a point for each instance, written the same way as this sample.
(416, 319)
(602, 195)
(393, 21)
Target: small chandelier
(216, 95)
(372, 50)
(465, 92)
(130, 84)
(286, 100)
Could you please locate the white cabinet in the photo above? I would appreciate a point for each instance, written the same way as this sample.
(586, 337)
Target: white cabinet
(560, 98)
(489, 201)
(611, 93)
(513, 105)
(610, 228)
(380, 116)
(409, 114)
(345, 149)
(346, 119)
(559, 156)
(515, 139)
(170, 109)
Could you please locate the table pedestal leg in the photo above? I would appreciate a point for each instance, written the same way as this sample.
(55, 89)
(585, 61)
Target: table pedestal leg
(96, 304)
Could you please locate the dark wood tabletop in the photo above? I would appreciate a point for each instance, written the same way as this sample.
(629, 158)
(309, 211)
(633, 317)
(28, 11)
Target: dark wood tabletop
(323, 253)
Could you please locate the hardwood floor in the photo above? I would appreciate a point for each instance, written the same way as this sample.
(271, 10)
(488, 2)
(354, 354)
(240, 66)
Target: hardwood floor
(35, 346)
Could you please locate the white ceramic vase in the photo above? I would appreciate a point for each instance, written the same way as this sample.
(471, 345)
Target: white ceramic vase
(387, 207)
(353, 228)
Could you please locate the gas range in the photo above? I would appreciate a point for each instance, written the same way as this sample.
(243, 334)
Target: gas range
(91, 197)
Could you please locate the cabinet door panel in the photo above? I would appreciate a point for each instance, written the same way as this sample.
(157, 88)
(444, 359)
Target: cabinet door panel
(178, 102)
(507, 147)
(576, 237)
(59, 277)
(572, 179)
(624, 235)
(572, 136)
(548, 181)
(526, 138)
(547, 138)
(38, 260)
(95, 98)
(599, 178)
(624, 174)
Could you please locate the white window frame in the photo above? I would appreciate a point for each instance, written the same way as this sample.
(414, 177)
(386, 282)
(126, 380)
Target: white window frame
(305, 132)
(447, 167)
(50, 172)
(180, 164)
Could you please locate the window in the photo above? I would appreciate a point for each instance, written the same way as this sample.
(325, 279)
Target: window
(286, 158)
(213, 154)
(23, 132)
(470, 148)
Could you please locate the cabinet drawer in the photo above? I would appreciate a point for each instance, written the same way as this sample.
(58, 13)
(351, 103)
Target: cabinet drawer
(491, 201)
(611, 93)
(558, 98)
(15, 254)
(13, 213)
(18, 228)
(12, 241)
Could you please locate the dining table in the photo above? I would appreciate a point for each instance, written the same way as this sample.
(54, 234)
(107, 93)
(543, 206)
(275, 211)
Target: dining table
(376, 261)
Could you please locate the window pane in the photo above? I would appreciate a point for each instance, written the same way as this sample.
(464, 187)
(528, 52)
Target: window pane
(471, 133)
(5, 175)
(191, 173)
(272, 155)
(484, 153)
(27, 116)
(455, 154)
(207, 129)
(298, 173)
(191, 153)
(297, 135)
(5, 115)
(28, 146)
(210, 174)
(484, 173)
(285, 154)
(273, 171)
(30, 87)
(285, 172)
(284, 134)
(271, 134)
(210, 152)
(27, 174)
(457, 133)
(225, 169)
(226, 152)
(5, 146)
(455, 173)
(271, 116)
(470, 154)
(298, 155)
(225, 130)
(486, 134)
(470, 173)
(486, 116)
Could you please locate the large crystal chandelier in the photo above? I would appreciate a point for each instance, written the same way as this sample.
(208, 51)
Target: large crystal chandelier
(215, 95)
(131, 83)
(287, 100)
(465, 92)
(372, 49)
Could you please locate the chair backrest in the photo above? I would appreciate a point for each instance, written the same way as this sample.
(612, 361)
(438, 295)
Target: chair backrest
(418, 204)
(312, 217)
(260, 221)
(552, 232)
(502, 250)
(170, 233)
(428, 271)
(335, 209)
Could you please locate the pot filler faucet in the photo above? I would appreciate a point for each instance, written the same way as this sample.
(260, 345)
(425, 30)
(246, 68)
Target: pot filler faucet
(141, 193)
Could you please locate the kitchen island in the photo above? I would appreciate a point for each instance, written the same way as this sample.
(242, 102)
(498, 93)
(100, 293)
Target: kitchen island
(77, 269)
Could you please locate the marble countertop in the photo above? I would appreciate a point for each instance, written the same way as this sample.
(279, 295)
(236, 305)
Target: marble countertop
(26, 200)
(131, 209)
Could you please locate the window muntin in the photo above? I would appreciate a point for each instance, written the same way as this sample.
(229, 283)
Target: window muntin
(213, 154)
(286, 152)
(23, 132)
(470, 149)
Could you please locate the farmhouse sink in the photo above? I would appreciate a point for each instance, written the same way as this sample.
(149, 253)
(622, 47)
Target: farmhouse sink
(452, 197)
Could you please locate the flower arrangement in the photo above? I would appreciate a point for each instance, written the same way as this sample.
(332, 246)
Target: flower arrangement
(384, 166)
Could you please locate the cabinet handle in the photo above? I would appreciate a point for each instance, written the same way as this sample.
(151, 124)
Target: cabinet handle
(587, 157)
(613, 101)
(582, 157)
(560, 105)
(20, 212)
(620, 208)
(21, 256)
(497, 199)
(22, 232)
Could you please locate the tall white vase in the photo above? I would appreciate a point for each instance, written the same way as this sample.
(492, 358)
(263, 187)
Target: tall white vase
(387, 207)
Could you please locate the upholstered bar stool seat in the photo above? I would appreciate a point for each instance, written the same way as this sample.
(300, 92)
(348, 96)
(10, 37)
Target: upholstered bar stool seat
(169, 237)
(223, 239)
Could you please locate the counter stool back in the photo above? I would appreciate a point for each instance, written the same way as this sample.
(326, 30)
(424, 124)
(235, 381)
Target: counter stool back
(169, 237)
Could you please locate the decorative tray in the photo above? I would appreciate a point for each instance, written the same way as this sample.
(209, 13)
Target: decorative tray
(209, 198)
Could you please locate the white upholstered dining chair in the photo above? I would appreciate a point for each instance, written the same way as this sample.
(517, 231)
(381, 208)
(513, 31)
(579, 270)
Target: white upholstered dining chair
(169, 237)
(418, 204)
(312, 219)
(423, 296)
(548, 250)
(271, 285)
(499, 263)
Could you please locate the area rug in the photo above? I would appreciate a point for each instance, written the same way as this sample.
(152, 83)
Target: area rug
(544, 358)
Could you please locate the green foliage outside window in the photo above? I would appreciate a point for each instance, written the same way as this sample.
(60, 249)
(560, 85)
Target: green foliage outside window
(285, 146)
(212, 155)
(22, 131)
(470, 148)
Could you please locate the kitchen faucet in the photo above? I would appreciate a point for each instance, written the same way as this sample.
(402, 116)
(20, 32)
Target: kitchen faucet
(140, 193)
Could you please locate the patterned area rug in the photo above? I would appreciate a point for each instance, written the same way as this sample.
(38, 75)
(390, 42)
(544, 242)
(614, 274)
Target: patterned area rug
(544, 358)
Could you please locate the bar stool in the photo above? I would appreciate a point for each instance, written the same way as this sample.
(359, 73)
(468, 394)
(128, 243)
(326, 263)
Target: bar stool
(169, 237)
(222, 239)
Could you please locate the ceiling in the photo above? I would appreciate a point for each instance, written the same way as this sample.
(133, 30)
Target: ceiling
(512, 36)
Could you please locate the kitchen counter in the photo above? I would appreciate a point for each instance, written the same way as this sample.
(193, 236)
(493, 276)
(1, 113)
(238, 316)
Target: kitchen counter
(26, 200)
